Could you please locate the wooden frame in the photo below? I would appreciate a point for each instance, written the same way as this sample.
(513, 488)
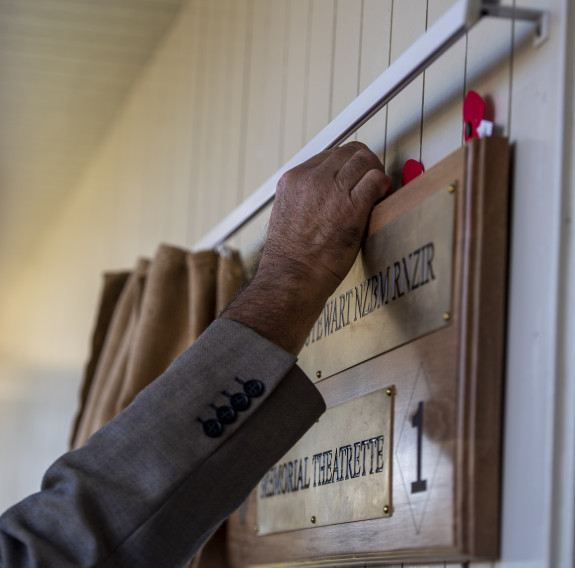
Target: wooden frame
(455, 371)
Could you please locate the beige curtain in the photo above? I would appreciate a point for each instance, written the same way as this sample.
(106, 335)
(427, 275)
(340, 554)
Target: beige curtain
(146, 318)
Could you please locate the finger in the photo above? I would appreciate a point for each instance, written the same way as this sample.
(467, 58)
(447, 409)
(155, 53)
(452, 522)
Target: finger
(289, 179)
(372, 187)
(357, 165)
(328, 162)
(315, 160)
(339, 156)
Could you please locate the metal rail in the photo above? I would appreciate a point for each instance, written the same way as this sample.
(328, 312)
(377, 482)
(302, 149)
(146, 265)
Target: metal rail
(459, 19)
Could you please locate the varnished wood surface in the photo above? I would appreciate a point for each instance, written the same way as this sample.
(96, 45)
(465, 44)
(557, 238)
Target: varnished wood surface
(456, 371)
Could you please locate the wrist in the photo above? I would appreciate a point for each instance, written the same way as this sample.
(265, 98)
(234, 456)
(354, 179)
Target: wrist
(282, 307)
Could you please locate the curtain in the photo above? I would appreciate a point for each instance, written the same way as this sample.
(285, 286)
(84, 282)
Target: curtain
(146, 318)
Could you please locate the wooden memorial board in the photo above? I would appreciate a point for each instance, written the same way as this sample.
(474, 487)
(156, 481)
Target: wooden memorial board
(414, 477)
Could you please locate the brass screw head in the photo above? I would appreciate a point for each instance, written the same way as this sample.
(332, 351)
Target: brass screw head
(451, 188)
(318, 374)
(313, 520)
(386, 509)
(388, 392)
(446, 316)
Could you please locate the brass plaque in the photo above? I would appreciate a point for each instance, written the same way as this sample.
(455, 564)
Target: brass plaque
(339, 472)
(398, 290)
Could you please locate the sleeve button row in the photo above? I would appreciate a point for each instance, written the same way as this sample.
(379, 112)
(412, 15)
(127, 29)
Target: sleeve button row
(239, 402)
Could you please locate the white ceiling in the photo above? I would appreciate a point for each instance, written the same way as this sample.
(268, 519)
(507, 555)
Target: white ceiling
(65, 68)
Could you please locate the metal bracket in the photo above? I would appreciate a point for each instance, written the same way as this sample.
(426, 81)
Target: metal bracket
(538, 17)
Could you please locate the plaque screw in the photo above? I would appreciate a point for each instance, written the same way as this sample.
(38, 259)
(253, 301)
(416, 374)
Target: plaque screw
(451, 188)
(446, 316)
(318, 374)
(386, 509)
(388, 392)
(313, 520)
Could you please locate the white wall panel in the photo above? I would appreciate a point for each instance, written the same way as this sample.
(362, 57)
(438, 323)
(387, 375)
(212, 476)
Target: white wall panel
(210, 105)
(374, 60)
(262, 120)
(152, 211)
(536, 128)
(443, 94)
(202, 110)
(346, 53)
(403, 138)
(320, 67)
(264, 95)
(298, 45)
(235, 122)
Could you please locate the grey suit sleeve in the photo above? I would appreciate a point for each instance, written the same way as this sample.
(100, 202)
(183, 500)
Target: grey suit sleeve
(150, 487)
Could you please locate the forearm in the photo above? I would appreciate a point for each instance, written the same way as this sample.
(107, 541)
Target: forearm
(149, 488)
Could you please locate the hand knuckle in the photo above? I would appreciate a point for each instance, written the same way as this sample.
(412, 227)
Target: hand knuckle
(357, 145)
(286, 180)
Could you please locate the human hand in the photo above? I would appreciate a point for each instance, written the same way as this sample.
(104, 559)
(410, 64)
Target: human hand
(317, 223)
(320, 214)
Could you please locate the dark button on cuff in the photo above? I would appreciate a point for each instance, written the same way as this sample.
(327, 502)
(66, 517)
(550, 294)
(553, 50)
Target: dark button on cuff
(212, 428)
(225, 414)
(254, 388)
(239, 401)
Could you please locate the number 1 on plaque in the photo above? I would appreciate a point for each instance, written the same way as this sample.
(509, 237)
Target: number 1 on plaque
(417, 422)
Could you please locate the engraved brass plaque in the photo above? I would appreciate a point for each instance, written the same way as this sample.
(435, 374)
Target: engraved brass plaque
(398, 290)
(339, 472)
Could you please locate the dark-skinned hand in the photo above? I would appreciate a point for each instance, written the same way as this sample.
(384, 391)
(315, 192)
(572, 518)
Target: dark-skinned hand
(317, 223)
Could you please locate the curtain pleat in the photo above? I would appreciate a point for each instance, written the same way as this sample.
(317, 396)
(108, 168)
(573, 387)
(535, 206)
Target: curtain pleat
(112, 288)
(112, 363)
(146, 319)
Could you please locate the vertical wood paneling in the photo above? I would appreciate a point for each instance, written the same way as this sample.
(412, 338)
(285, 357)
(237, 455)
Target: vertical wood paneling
(167, 136)
(192, 48)
(232, 135)
(374, 60)
(443, 97)
(297, 49)
(151, 204)
(129, 193)
(274, 89)
(207, 77)
(138, 140)
(347, 45)
(183, 41)
(214, 142)
(255, 90)
(263, 120)
(403, 139)
(320, 67)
